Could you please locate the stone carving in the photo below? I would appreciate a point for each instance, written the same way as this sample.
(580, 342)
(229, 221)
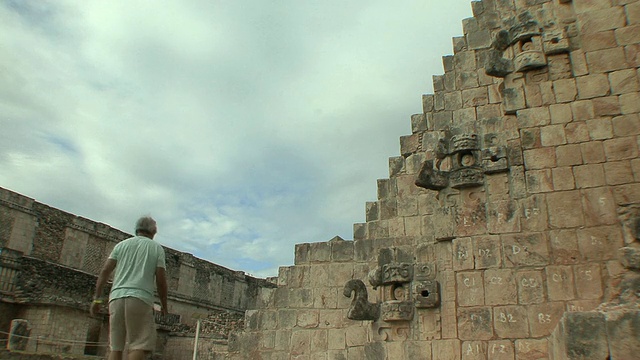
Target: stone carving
(466, 160)
(529, 39)
(404, 286)
(396, 310)
(361, 308)
(532, 44)
(630, 254)
(427, 294)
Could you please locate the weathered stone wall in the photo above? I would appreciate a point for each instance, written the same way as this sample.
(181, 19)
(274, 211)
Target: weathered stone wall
(61, 238)
(510, 215)
(60, 330)
(63, 254)
(181, 347)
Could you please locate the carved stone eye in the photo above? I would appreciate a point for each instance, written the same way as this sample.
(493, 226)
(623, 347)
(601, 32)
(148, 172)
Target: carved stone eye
(399, 292)
(467, 159)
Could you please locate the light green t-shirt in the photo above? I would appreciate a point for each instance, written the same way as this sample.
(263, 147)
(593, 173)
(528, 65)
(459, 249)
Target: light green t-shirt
(136, 261)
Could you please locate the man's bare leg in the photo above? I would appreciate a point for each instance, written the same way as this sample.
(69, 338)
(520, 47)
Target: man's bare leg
(137, 355)
(115, 355)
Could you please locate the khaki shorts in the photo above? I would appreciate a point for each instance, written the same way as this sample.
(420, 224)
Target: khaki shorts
(131, 321)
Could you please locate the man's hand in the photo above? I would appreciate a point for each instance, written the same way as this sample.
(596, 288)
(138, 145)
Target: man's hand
(94, 309)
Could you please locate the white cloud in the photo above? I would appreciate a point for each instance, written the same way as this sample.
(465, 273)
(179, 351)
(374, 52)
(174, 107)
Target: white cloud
(244, 127)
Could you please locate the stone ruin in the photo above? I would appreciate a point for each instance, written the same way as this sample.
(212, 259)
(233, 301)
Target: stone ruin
(509, 227)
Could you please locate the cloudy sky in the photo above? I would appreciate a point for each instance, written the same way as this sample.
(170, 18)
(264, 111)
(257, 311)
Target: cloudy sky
(243, 126)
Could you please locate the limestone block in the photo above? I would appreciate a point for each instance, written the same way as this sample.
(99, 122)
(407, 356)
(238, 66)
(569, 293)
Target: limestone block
(449, 82)
(624, 81)
(606, 60)
(475, 323)
(630, 257)
(466, 80)
(540, 158)
(599, 243)
(632, 52)
(581, 336)
(569, 155)
(627, 194)
(621, 148)
(553, 135)
(465, 61)
(565, 209)
(592, 152)
(600, 128)
(511, 321)
(446, 349)
(487, 251)
(530, 285)
(448, 321)
(592, 86)
(301, 253)
(578, 63)
(582, 110)
(359, 231)
(301, 342)
(576, 132)
(474, 350)
(588, 176)
(628, 35)
(396, 164)
(602, 19)
(623, 327)
(565, 90)
(564, 247)
(532, 349)
(479, 39)
(355, 336)
(427, 103)
(619, 172)
(475, 97)
(500, 350)
(307, 319)
(513, 99)
(500, 287)
(533, 117)
(409, 144)
(418, 350)
(342, 250)
(560, 283)
(319, 252)
(453, 100)
(599, 206)
(626, 125)
(599, 41)
(563, 178)
(375, 351)
(470, 288)
(526, 249)
(463, 258)
(337, 339)
(319, 344)
(588, 281)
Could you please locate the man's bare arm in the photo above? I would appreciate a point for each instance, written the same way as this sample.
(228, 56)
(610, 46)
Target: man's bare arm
(161, 284)
(104, 275)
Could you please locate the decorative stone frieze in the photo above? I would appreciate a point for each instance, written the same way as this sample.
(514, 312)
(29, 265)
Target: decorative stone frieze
(466, 161)
(403, 287)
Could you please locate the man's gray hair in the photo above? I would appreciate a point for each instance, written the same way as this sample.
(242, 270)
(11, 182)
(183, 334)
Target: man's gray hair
(146, 225)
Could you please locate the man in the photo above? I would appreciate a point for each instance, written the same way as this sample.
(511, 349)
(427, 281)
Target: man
(136, 261)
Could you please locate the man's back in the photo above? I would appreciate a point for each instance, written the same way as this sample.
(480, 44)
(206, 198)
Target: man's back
(137, 259)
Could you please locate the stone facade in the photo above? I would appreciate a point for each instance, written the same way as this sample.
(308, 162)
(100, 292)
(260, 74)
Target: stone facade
(508, 229)
(49, 260)
(509, 225)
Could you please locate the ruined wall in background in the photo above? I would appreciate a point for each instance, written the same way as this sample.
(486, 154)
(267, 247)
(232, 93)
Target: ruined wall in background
(509, 225)
(50, 260)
